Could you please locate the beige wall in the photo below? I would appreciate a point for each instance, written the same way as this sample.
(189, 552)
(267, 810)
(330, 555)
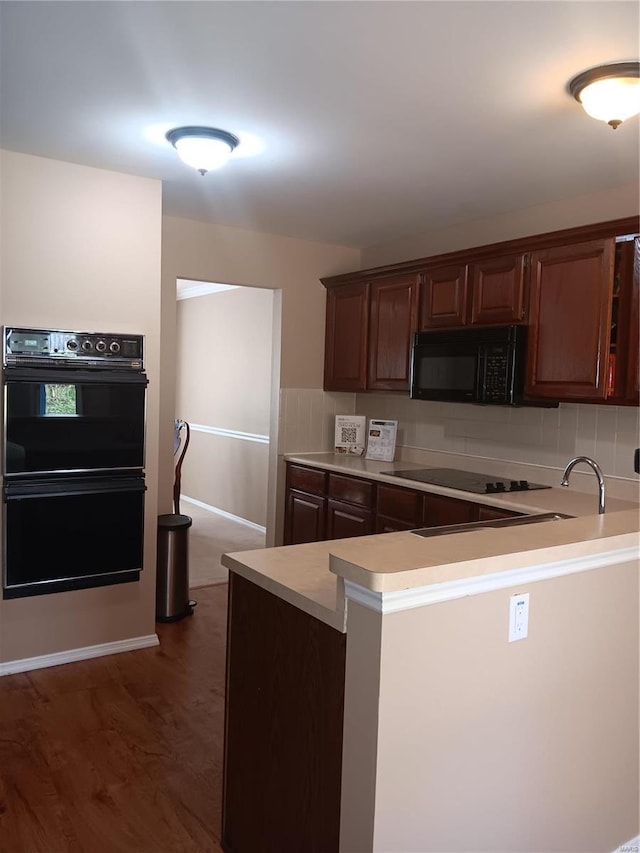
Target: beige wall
(204, 252)
(228, 474)
(614, 203)
(224, 359)
(81, 250)
(492, 746)
(224, 355)
(361, 727)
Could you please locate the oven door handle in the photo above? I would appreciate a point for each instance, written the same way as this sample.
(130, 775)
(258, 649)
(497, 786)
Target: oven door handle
(70, 376)
(71, 486)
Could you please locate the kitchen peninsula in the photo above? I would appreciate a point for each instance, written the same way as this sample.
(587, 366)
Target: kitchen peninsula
(374, 702)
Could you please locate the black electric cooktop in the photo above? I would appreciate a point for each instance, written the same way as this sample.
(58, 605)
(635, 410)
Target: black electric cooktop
(467, 481)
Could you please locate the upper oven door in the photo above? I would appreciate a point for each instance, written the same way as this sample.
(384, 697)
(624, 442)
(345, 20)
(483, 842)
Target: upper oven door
(72, 421)
(447, 371)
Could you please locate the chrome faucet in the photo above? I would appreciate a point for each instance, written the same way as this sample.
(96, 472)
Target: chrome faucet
(596, 470)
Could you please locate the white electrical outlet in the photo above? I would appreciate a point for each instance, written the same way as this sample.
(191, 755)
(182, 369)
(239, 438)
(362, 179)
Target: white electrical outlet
(518, 617)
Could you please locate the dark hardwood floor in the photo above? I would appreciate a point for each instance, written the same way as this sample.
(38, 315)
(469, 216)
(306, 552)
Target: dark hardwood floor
(120, 754)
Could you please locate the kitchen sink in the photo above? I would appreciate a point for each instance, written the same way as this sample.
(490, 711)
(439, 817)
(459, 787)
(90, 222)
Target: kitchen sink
(516, 521)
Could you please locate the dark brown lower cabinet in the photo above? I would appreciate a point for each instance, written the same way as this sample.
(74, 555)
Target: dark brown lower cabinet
(305, 518)
(392, 525)
(346, 520)
(283, 726)
(343, 506)
(491, 513)
(440, 511)
(398, 508)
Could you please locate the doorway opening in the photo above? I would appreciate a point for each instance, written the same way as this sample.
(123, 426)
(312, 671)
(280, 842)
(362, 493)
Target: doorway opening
(227, 390)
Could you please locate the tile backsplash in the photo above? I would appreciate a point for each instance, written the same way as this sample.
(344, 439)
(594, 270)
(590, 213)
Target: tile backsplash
(543, 437)
(307, 418)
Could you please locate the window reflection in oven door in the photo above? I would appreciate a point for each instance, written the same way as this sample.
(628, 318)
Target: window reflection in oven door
(73, 420)
(72, 533)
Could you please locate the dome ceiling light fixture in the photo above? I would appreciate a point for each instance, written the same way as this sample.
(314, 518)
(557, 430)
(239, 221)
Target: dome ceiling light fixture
(204, 148)
(610, 92)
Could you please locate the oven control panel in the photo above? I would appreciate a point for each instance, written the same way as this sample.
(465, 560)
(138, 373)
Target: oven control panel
(38, 347)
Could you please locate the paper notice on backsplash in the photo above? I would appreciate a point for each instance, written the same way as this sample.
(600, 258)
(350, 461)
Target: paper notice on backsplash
(381, 440)
(350, 434)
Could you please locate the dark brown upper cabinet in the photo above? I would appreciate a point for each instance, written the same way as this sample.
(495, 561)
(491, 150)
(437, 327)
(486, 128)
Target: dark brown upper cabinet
(369, 334)
(443, 299)
(570, 321)
(623, 378)
(346, 338)
(497, 288)
(576, 290)
(490, 292)
(393, 318)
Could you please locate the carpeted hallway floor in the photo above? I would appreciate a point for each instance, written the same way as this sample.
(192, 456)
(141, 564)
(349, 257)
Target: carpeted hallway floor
(210, 537)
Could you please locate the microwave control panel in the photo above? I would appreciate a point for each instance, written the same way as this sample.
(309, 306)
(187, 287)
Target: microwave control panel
(498, 370)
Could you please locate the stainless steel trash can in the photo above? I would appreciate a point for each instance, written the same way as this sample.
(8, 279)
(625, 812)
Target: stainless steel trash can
(172, 574)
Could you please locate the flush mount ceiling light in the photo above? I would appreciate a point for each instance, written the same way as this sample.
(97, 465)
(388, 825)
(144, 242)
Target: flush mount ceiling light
(204, 148)
(609, 93)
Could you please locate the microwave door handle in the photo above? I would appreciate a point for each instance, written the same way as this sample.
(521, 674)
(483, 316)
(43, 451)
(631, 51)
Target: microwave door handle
(481, 377)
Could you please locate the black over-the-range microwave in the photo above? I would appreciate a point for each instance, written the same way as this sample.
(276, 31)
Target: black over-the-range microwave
(484, 365)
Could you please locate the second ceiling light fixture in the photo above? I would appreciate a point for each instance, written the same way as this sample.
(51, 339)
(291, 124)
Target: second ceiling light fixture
(610, 92)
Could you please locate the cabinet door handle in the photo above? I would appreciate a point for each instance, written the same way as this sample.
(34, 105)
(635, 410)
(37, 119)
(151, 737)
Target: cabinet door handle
(526, 264)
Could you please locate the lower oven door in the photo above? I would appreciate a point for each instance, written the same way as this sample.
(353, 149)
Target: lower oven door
(72, 533)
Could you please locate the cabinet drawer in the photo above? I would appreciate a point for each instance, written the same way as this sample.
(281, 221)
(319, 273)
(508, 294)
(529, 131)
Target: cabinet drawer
(309, 480)
(359, 492)
(402, 504)
(439, 511)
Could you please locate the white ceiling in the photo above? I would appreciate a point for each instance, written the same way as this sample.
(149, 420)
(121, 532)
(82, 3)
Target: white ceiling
(378, 119)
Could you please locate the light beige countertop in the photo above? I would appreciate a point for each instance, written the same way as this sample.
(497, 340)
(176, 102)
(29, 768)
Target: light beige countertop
(311, 577)
(298, 574)
(569, 500)
(399, 561)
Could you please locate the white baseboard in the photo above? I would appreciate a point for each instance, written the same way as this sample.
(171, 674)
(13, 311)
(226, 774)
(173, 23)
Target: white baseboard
(222, 512)
(632, 846)
(85, 653)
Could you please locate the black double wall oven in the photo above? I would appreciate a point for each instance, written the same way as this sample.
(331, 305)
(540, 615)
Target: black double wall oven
(73, 460)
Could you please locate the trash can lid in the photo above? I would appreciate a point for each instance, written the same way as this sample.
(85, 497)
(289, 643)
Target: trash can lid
(173, 521)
